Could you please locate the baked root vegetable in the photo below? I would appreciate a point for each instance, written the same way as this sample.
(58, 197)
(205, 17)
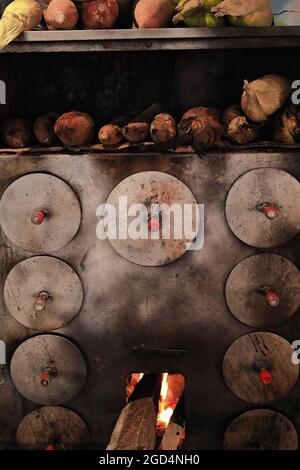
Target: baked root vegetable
(238, 128)
(74, 128)
(202, 128)
(286, 125)
(43, 128)
(99, 14)
(19, 16)
(154, 13)
(163, 128)
(197, 13)
(138, 129)
(61, 14)
(245, 12)
(263, 97)
(16, 133)
(110, 134)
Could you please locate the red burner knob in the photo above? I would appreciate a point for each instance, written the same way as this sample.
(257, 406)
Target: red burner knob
(50, 447)
(265, 377)
(38, 216)
(269, 209)
(40, 302)
(153, 225)
(45, 379)
(272, 298)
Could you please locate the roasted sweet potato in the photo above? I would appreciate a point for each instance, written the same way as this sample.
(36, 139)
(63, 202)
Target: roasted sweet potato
(138, 129)
(110, 134)
(75, 128)
(43, 128)
(16, 133)
(163, 128)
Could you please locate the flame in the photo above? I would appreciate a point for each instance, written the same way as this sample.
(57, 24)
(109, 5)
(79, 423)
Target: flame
(172, 386)
(164, 386)
(164, 412)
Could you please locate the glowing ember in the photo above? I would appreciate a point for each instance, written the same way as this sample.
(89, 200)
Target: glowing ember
(131, 382)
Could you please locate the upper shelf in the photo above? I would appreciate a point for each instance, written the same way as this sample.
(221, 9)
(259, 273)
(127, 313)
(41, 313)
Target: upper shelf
(155, 39)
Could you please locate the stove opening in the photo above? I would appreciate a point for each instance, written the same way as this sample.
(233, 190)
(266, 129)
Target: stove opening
(153, 415)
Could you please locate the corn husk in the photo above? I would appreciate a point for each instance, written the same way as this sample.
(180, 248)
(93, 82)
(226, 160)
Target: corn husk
(187, 8)
(286, 126)
(263, 97)
(18, 16)
(237, 127)
(245, 12)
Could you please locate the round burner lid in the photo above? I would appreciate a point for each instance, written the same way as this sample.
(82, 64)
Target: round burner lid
(43, 293)
(263, 290)
(48, 369)
(147, 188)
(261, 430)
(39, 213)
(52, 428)
(258, 367)
(262, 207)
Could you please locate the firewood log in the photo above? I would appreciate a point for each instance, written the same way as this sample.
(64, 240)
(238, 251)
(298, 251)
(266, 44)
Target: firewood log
(135, 427)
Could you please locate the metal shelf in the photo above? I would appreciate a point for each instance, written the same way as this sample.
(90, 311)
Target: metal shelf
(155, 39)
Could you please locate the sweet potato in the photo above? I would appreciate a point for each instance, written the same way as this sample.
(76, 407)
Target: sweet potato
(16, 133)
(110, 134)
(99, 14)
(139, 127)
(61, 14)
(163, 128)
(43, 128)
(202, 128)
(154, 13)
(75, 128)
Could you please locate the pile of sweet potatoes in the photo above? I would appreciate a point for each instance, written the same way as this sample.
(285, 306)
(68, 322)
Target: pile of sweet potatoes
(92, 14)
(105, 14)
(200, 127)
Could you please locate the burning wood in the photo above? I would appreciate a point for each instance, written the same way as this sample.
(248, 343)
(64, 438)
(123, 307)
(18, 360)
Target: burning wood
(150, 403)
(172, 387)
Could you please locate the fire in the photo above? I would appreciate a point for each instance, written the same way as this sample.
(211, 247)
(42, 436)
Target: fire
(171, 390)
(166, 406)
